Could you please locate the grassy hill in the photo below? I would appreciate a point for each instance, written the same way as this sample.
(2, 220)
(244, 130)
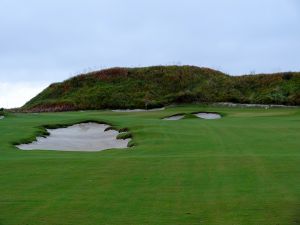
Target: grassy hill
(157, 86)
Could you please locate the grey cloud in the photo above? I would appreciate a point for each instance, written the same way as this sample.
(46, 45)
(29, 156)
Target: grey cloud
(51, 40)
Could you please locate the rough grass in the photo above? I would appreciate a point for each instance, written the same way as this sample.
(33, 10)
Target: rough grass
(242, 169)
(153, 87)
(124, 135)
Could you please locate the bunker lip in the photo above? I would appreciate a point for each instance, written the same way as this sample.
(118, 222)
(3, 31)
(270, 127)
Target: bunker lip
(139, 110)
(84, 137)
(208, 115)
(174, 117)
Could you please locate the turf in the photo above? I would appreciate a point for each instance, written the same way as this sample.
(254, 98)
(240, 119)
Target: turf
(242, 169)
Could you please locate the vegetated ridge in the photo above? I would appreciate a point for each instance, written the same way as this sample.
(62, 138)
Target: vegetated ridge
(150, 87)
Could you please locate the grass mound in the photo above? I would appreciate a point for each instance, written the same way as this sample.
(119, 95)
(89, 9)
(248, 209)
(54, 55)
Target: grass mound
(153, 87)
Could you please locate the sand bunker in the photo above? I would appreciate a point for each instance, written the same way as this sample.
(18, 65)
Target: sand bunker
(138, 110)
(230, 104)
(208, 116)
(79, 137)
(1, 117)
(176, 117)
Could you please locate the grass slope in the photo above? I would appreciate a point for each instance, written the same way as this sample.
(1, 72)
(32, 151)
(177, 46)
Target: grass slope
(242, 169)
(151, 87)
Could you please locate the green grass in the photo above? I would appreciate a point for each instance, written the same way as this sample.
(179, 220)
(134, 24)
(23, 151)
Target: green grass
(242, 169)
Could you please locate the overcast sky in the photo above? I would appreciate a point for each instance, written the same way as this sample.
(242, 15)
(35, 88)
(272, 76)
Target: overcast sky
(50, 40)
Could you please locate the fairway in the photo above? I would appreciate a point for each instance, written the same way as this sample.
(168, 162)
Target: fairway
(242, 169)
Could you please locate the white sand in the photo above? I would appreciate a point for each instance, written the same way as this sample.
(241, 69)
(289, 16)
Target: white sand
(208, 116)
(138, 110)
(266, 106)
(177, 117)
(79, 137)
(1, 117)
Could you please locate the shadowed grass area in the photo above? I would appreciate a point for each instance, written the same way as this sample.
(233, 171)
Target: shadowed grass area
(124, 135)
(241, 169)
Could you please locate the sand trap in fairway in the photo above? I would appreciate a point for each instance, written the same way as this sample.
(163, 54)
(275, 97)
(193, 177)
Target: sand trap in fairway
(266, 106)
(1, 117)
(208, 116)
(79, 137)
(138, 110)
(177, 117)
